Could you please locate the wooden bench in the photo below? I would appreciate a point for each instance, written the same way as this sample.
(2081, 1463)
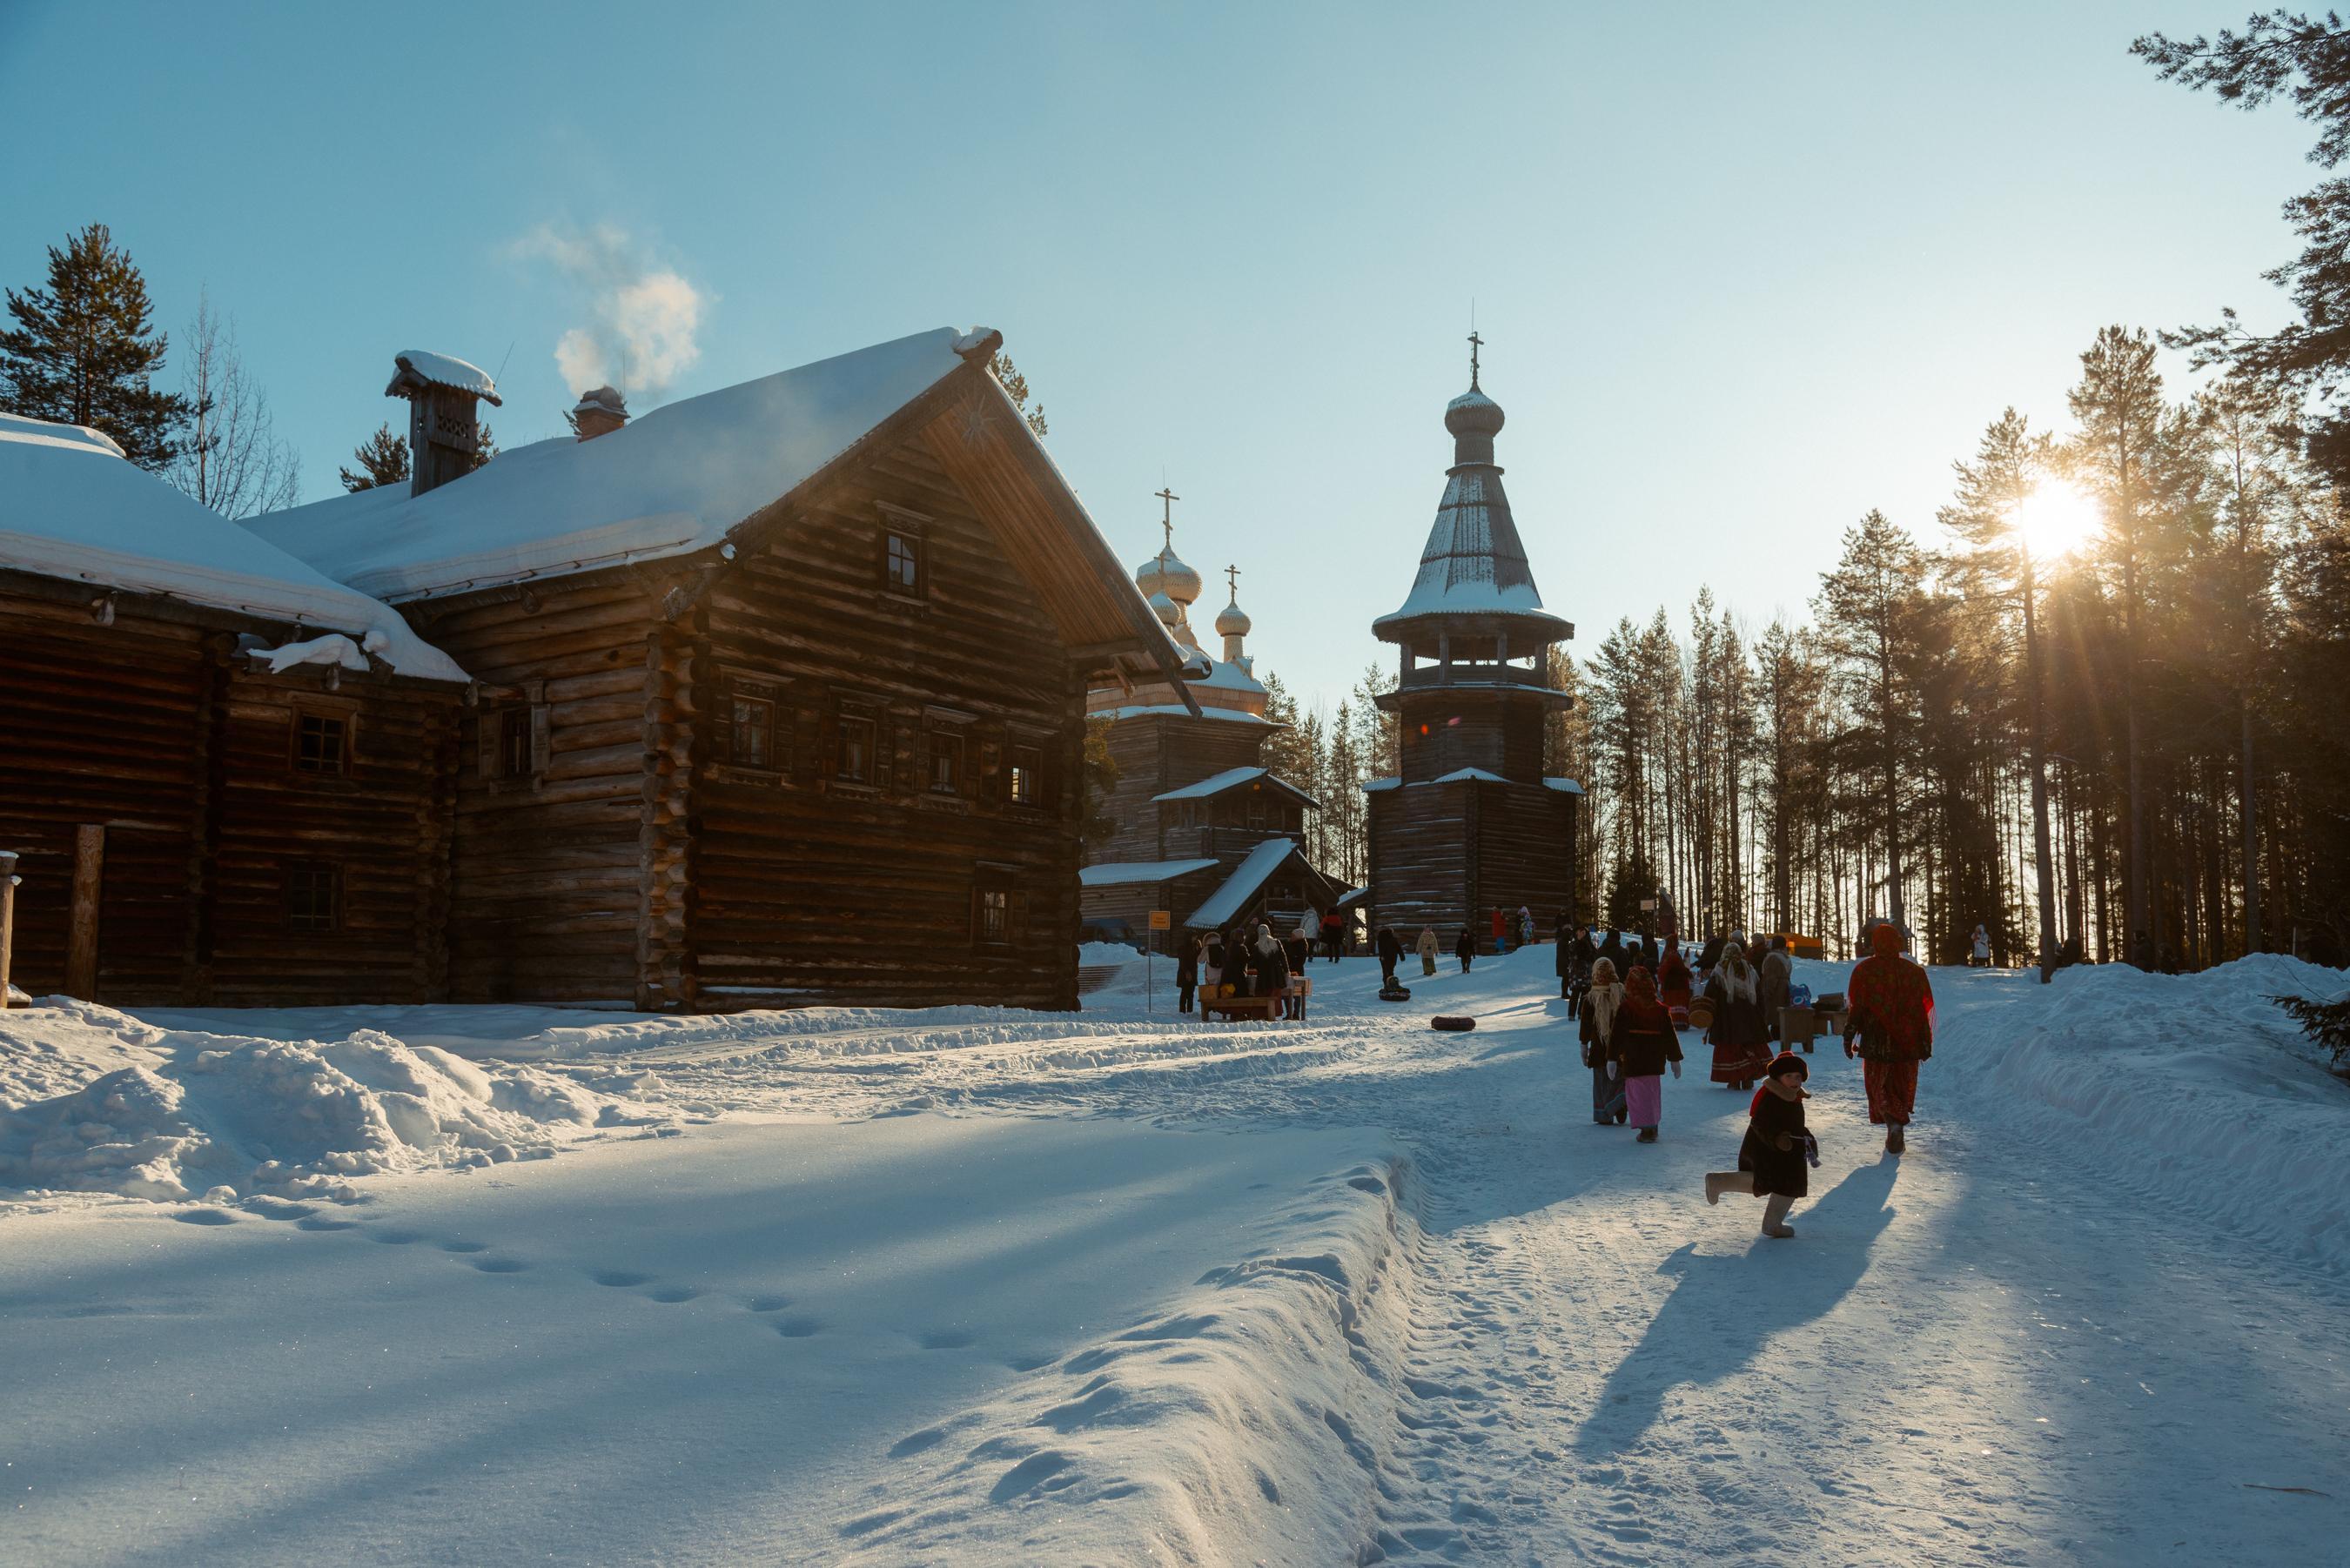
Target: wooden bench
(1237, 1006)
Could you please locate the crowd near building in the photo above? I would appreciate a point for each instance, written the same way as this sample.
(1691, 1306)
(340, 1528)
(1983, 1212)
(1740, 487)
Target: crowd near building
(774, 695)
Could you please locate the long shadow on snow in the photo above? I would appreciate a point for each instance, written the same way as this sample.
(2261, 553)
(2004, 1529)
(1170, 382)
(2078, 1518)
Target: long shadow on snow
(1716, 1321)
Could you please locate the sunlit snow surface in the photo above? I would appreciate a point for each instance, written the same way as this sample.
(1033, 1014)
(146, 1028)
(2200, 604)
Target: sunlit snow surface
(968, 1285)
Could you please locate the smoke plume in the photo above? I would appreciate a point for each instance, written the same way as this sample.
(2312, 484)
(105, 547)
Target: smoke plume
(644, 319)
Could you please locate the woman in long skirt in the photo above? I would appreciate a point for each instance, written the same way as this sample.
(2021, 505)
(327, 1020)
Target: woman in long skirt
(1599, 1005)
(1640, 1046)
(1739, 1054)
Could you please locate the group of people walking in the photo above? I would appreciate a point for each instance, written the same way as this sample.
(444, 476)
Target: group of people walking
(1630, 1039)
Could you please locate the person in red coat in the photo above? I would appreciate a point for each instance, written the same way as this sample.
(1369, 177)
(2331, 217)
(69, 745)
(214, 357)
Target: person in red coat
(1891, 1015)
(1674, 981)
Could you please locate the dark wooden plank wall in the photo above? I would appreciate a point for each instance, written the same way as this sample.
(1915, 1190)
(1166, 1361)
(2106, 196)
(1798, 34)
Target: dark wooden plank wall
(147, 727)
(1499, 735)
(1442, 854)
(547, 882)
(1525, 850)
(1156, 753)
(103, 725)
(807, 887)
(377, 823)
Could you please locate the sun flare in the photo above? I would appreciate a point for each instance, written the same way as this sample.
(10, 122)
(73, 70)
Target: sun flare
(2057, 519)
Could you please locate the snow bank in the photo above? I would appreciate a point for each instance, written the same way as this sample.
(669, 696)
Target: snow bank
(2196, 1089)
(1249, 1421)
(91, 1100)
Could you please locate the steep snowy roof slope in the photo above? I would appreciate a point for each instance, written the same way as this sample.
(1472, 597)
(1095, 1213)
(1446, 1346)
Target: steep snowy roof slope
(71, 507)
(670, 481)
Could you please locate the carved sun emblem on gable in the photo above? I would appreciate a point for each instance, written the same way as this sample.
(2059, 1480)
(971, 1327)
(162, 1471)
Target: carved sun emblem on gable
(975, 424)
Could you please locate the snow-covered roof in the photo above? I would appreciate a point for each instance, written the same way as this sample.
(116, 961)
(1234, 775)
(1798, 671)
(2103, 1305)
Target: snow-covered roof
(1565, 786)
(668, 483)
(1233, 778)
(1369, 785)
(1177, 711)
(72, 508)
(1120, 872)
(1250, 875)
(445, 371)
(1462, 775)
(1225, 676)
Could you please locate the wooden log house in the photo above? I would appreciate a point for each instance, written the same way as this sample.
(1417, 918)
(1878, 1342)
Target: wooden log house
(1468, 823)
(229, 777)
(1193, 807)
(782, 689)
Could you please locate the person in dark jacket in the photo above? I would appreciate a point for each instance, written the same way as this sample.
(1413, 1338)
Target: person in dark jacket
(1573, 957)
(1774, 1160)
(1334, 935)
(1711, 954)
(1187, 971)
(1612, 948)
(1600, 1001)
(1778, 972)
(1736, 1032)
(1272, 969)
(1640, 1044)
(1390, 955)
(1649, 953)
(1465, 949)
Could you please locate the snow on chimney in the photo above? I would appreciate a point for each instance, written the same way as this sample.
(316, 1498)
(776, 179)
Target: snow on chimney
(598, 412)
(444, 432)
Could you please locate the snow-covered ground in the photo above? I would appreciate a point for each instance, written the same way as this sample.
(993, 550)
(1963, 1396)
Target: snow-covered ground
(462, 1285)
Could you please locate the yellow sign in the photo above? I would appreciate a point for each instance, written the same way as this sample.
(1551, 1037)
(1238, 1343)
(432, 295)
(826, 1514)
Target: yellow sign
(1160, 920)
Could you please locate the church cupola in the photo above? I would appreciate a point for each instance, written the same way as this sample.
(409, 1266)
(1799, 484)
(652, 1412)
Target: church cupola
(1233, 623)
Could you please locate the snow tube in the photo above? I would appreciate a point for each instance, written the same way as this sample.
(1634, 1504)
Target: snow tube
(1395, 993)
(1451, 1024)
(1829, 1001)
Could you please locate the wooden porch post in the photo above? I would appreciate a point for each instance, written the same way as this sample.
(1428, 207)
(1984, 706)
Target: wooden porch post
(8, 879)
(81, 940)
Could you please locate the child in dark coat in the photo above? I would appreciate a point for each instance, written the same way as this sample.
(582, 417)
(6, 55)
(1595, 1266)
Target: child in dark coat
(1774, 1160)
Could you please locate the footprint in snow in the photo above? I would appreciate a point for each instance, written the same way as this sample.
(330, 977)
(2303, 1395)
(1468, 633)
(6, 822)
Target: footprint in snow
(619, 1278)
(277, 1209)
(673, 1295)
(799, 1327)
(767, 1303)
(319, 1222)
(395, 1237)
(464, 1246)
(205, 1217)
(498, 1265)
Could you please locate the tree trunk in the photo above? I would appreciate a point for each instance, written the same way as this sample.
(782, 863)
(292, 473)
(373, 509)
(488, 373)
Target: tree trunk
(2250, 813)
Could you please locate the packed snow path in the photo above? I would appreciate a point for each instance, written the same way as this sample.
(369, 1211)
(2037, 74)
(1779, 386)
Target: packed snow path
(1124, 1289)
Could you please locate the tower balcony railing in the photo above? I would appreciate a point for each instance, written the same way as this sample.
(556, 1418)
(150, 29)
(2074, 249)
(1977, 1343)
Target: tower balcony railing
(1461, 672)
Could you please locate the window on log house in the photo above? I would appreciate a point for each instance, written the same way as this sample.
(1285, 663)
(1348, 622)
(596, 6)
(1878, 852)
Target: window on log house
(946, 763)
(321, 743)
(1255, 809)
(751, 732)
(313, 896)
(856, 761)
(514, 743)
(1027, 775)
(999, 911)
(902, 563)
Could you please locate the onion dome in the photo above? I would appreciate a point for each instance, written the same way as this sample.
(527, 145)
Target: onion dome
(1164, 573)
(1232, 620)
(1169, 613)
(1473, 413)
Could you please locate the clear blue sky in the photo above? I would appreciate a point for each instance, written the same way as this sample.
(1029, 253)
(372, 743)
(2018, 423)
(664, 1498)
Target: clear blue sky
(1745, 270)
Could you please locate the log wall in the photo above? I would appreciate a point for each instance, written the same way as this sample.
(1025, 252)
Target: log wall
(142, 722)
(546, 880)
(810, 884)
(1442, 854)
(1159, 752)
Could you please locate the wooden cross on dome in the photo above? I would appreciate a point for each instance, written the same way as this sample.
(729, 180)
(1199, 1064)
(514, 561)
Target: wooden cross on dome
(1168, 521)
(1232, 579)
(1475, 343)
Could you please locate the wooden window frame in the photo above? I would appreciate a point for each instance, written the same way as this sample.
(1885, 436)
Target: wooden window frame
(844, 720)
(1026, 762)
(511, 734)
(309, 920)
(346, 722)
(999, 909)
(947, 743)
(912, 531)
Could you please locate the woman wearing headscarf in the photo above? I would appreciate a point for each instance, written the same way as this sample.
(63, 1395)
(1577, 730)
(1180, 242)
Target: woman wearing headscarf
(1778, 972)
(1642, 1044)
(1739, 1054)
(1674, 981)
(1891, 1015)
(1428, 947)
(1272, 969)
(1599, 1005)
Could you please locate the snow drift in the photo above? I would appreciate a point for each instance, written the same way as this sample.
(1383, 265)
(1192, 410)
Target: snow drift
(92, 1100)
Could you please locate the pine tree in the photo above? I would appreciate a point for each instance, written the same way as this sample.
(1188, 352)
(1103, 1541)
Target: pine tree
(382, 460)
(1867, 611)
(83, 351)
(1016, 387)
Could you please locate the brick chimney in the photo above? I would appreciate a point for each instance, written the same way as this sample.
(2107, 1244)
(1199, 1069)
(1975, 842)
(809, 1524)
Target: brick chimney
(445, 431)
(598, 412)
